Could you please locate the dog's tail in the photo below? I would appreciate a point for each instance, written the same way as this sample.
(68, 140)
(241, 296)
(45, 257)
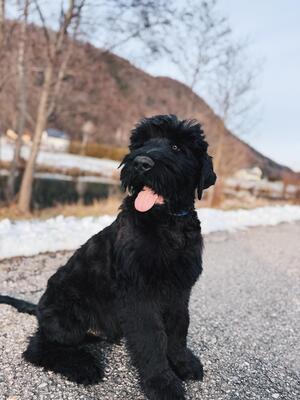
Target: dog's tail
(21, 305)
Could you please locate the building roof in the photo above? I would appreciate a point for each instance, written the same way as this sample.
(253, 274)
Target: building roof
(51, 132)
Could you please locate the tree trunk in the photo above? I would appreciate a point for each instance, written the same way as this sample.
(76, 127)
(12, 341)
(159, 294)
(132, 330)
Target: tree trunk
(21, 106)
(217, 161)
(27, 180)
(2, 21)
(53, 51)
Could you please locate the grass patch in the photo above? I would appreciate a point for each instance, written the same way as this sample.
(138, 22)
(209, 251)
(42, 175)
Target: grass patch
(108, 206)
(98, 150)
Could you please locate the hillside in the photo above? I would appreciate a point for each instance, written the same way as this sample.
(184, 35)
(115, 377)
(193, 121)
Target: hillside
(114, 94)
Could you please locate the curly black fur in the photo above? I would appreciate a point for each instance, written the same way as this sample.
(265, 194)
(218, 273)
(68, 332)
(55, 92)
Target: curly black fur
(134, 278)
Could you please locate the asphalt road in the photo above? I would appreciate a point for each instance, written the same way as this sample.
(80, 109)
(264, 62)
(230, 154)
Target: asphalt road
(245, 324)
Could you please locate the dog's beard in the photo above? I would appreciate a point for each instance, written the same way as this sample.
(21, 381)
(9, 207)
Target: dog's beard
(146, 199)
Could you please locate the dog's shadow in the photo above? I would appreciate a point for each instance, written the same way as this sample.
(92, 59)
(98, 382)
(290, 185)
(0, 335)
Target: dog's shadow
(118, 369)
(113, 357)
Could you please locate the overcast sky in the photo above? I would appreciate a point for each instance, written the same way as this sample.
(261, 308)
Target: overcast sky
(274, 26)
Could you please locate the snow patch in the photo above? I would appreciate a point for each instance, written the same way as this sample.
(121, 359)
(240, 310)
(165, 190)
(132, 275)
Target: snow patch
(27, 238)
(64, 160)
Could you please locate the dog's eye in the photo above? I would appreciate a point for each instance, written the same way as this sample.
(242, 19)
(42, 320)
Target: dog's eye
(175, 147)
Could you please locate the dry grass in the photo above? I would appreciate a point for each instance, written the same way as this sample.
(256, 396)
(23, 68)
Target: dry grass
(102, 207)
(111, 206)
(99, 150)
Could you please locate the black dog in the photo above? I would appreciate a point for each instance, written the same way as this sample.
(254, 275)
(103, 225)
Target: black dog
(134, 278)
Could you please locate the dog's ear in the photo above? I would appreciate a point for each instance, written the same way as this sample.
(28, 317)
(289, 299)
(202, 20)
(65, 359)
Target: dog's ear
(207, 176)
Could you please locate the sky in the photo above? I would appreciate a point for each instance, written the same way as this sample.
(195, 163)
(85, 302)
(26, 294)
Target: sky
(274, 29)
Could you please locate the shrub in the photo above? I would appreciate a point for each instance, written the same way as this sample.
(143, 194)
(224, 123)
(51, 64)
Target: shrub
(98, 150)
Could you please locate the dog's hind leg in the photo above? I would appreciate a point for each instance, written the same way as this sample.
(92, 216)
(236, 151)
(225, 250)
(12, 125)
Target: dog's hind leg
(60, 345)
(74, 361)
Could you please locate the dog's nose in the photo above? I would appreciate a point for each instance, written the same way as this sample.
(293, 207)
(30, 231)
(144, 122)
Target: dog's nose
(143, 163)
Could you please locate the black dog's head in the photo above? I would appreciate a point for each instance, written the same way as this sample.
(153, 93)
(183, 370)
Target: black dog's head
(167, 163)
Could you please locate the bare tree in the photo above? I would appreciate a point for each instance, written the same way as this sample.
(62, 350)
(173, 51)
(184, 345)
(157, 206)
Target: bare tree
(233, 91)
(2, 35)
(123, 19)
(21, 99)
(195, 42)
(6, 33)
(2, 41)
(131, 24)
(233, 98)
(216, 67)
(2, 21)
(205, 34)
(63, 66)
(54, 47)
(212, 64)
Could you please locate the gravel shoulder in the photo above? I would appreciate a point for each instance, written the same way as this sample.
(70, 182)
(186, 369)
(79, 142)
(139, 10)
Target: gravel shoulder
(244, 324)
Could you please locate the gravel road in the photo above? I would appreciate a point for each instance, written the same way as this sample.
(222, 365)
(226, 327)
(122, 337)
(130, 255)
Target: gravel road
(244, 324)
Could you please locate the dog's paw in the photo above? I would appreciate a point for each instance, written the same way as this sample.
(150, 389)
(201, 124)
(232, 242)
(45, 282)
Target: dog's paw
(189, 368)
(165, 386)
(84, 375)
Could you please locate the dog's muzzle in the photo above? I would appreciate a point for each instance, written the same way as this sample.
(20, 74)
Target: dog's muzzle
(143, 163)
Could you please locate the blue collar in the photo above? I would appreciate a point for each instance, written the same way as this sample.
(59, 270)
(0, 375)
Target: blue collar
(181, 213)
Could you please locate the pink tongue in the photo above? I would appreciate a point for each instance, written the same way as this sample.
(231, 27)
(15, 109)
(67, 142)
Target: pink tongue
(146, 199)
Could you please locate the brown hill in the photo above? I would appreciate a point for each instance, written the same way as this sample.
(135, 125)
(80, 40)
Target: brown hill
(114, 94)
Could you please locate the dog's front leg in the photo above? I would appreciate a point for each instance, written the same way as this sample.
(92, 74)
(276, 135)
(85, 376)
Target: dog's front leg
(147, 343)
(184, 362)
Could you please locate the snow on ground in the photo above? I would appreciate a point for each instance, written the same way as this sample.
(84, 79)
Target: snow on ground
(213, 220)
(27, 238)
(64, 160)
